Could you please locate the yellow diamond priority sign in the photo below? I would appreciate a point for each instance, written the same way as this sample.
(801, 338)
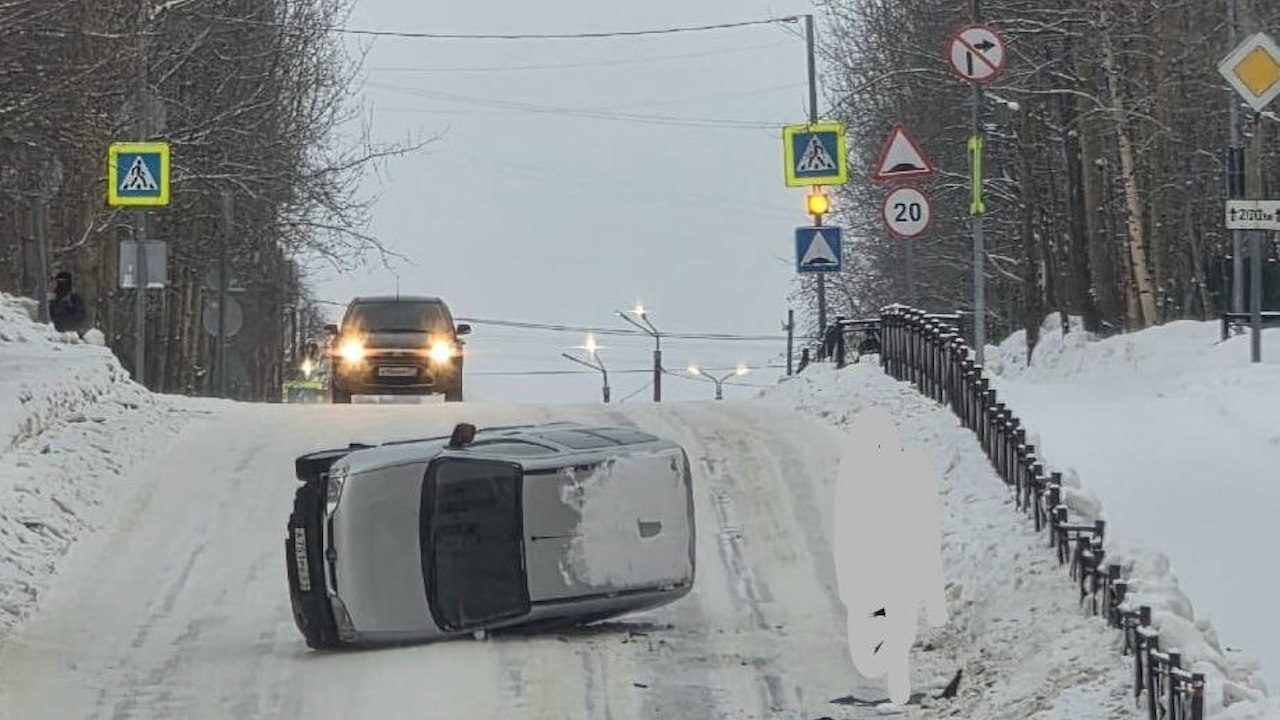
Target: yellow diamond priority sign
(1253, 69)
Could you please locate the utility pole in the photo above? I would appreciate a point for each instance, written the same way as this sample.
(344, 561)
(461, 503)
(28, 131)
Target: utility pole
(228, 224)
(1235, 175)
(144, 130)
(791, 330)
(976, 217)
(813, 119)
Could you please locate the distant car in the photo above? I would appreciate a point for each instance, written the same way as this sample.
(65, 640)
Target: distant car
(397, 345)
(426, 539)
(303, 391)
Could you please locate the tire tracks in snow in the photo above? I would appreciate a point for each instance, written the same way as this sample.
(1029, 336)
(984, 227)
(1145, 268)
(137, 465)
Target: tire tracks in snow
(156, 691)
(788, 626)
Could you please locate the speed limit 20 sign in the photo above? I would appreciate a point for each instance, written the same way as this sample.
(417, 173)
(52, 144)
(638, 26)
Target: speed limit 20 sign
(907, 212)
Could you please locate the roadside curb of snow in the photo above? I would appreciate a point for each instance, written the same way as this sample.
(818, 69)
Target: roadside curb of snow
(1233, 690)
(81, 373)
(73, 427)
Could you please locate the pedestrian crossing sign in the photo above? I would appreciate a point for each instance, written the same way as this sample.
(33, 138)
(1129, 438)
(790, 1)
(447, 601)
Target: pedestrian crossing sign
(815, 154)
(138, 175)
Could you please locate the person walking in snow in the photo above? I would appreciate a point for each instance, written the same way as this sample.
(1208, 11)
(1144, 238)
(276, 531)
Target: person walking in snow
(66, 308)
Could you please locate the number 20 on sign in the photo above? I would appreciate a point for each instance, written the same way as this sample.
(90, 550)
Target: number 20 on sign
(907, 212)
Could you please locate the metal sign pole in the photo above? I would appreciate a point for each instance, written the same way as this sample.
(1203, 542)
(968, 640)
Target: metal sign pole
(813, 119)
(1235, 178)
(977, 220)
(40, 208)
(791, 330)
(140, 293)
(1255, 250)
(228, 218)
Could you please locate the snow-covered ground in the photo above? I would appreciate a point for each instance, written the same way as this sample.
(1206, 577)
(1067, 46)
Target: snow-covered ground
(1178, 435)
(171, 601)
(72, 425)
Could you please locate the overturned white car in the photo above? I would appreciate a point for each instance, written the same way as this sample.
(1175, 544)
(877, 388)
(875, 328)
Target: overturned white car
(424, 539)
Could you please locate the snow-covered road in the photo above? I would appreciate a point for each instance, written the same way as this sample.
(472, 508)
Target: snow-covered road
(177, 607)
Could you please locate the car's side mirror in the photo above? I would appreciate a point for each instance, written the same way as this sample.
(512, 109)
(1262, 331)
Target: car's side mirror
(464, 329)
(331, 329)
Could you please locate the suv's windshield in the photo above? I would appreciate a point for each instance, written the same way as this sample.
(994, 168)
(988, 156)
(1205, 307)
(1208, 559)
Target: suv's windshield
(398, 317)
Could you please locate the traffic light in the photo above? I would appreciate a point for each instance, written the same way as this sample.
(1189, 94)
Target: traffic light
(817, 203)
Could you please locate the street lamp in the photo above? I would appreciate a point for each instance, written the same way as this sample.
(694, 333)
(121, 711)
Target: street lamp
(739, 371)
(651, 331)
(591, 348)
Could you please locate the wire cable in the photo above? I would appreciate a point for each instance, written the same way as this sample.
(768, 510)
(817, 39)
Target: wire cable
(575, 65)
(586, 113)
(791, 19)
(622, 332)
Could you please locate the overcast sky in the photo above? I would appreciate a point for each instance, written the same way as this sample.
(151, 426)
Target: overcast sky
(535, 206)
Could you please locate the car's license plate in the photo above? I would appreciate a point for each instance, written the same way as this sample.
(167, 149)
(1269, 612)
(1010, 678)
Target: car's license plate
(300, 557)
(397, 371)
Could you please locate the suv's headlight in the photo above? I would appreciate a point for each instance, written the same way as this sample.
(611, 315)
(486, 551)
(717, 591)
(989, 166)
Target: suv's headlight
(441, 351)
(351, 350)
(337, 479)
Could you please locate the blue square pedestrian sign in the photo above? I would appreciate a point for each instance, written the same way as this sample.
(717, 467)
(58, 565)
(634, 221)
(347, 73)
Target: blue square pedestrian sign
(818, 249)
(815, 154)
(138, 175)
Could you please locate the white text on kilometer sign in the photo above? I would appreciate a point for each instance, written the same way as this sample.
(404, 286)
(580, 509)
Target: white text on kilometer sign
(1253, 215)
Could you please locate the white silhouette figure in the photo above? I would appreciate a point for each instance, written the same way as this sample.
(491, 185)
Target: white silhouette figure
(887, 542)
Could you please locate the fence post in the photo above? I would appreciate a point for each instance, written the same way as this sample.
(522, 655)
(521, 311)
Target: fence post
(1197, 696)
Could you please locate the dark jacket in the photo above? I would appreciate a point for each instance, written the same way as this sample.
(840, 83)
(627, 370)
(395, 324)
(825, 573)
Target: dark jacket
(66, 309)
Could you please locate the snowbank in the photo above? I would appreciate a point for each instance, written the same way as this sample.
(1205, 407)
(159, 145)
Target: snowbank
(1178, 435)
(1027, 648)
(71, 422)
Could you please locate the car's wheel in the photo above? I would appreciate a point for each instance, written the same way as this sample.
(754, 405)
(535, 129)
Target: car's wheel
(453, 394)
(339, 396)
(311, 612)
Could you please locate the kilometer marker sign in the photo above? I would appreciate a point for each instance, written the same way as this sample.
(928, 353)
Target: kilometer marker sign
(1253, 215)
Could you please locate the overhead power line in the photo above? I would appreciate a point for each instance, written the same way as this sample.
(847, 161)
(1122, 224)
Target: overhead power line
(576, 65)
(619, 331)
(587, 113)
(512, 36)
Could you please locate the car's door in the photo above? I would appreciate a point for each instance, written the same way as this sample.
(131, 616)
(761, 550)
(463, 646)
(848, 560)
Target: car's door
(472, 543)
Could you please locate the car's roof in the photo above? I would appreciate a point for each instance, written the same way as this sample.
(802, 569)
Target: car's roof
(539, 444)
(382, 299)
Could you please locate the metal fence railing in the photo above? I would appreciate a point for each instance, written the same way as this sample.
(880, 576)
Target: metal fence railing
(929, 351)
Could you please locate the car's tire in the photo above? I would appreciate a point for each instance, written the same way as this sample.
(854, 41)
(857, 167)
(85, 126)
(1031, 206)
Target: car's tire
(338, 396)
(453, 394)
(311, 611)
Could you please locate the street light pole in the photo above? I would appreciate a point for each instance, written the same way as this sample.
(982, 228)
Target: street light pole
(593, 352)
(719, 382)
(600, 367)
(651, 331)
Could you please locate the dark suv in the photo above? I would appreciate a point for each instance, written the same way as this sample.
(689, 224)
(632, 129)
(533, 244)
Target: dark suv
(397, 345)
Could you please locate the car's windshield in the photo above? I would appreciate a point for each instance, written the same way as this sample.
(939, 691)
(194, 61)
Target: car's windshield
(398, 317)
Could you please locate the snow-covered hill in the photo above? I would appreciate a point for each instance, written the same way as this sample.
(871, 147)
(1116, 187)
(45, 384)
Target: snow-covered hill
(1178, 435)
(72, 424)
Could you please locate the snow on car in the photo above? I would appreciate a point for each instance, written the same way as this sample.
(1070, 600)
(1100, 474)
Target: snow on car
(420, 540)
